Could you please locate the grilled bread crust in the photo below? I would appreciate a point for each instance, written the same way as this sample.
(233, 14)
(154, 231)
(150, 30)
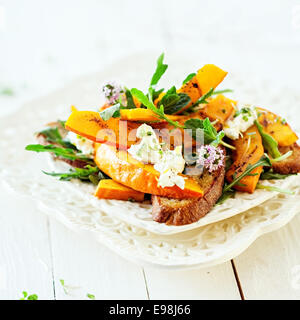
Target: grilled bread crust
(180, 212)
(291, 164)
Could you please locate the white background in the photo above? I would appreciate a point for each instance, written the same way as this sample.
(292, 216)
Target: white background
(46, 44)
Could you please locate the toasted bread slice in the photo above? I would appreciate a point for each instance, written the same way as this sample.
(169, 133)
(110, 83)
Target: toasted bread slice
(291, 164)
(179, 212)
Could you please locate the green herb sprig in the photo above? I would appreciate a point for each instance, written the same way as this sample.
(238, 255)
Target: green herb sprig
(65, 153)
(188, 78)
(53, 135)
(270, 175)
(276, 189)
(161, 68)
(29, 297)
(88, 173)
(173, 102)
(151, 106)
(264, 161)
(269, 143)
(211, 136)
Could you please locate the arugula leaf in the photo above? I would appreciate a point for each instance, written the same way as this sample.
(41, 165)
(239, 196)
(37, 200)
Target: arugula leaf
(283, 157)
(263, 161)
(66, 153)
(52, 135)
(222, 91)
(188, 78)
(150, 105)
(156, 94)
(276, 189)
(29, 297)
(129, 98)
(90, 296)
(111, 112)
(211, 136)
(160, 70)
(87, 173)
(226, 195)
(203, 98)
(269, 143)
(270, 175)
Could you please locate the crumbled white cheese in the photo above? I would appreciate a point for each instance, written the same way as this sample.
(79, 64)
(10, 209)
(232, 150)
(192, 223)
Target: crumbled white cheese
(149, 149)
(169, 163)
(85, 145)
(243, 119)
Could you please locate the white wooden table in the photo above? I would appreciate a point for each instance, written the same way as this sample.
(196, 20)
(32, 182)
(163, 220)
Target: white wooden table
(45, 44)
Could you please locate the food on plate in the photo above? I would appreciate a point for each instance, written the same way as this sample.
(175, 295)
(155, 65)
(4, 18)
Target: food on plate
(110, 189)
(248, 150)
(187, 149)
(185, 211)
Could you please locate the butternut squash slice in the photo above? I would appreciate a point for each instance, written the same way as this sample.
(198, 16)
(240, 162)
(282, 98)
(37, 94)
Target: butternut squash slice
(277, 128)
(110, 189)
(144, 115)
(121, 167)
(219, 108)
(90, 125)
(191, 88)
(249, 149)
(209, 76)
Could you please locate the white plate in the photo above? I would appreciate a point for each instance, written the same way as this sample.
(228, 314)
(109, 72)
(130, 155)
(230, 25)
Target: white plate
(137, 237)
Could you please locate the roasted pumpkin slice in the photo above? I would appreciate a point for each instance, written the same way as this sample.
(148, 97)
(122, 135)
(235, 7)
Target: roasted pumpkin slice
(90, 125)
(110, 189)
(123, 168)
(209, 76)
(219, 108)
(249, 149)
(277, 127)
